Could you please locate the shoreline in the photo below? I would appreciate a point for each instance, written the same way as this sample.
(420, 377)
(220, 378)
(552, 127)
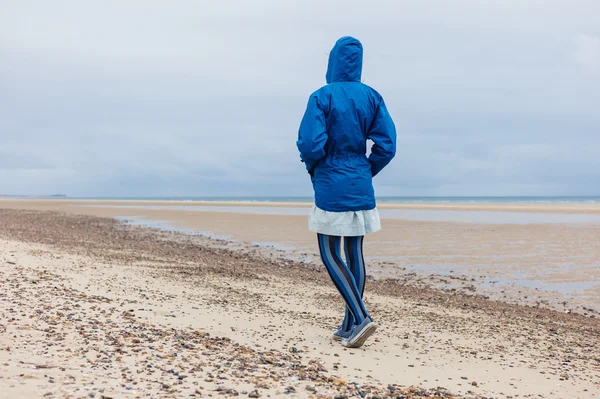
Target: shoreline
(543, 265)
(428, 338)
(525, 292)
(552, 265)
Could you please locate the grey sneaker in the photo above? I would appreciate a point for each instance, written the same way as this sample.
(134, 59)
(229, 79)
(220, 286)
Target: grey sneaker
(360, 334)
(341, 334)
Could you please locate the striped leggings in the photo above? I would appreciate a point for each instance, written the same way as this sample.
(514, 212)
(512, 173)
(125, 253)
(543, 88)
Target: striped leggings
(349, 279)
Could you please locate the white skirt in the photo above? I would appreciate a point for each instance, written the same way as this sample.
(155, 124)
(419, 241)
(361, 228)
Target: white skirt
(344, 224)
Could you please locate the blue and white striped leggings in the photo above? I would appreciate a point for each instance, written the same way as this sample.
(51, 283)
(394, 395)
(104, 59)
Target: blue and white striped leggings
(349, 278)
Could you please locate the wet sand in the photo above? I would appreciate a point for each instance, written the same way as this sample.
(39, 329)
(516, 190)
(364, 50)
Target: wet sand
(92, 308)
(542, 264)
(573, 208)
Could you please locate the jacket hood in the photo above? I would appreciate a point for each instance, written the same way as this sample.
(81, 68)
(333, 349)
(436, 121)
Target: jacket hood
(345, 61)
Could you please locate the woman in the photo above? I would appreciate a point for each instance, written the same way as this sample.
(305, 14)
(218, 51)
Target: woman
(332, 140)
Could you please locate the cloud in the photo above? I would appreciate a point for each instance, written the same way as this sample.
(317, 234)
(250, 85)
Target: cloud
(185, 98)
(587, 53)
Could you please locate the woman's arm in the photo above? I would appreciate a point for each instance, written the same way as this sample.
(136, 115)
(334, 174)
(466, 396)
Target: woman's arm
(312, 134)
(383, 134)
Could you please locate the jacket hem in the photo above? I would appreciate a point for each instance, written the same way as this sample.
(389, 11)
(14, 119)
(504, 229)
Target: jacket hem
(327, 208)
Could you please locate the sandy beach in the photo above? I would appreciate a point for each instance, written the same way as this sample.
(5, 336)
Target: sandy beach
(91, 307)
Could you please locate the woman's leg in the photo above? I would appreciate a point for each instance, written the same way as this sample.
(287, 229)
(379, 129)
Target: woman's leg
(342, 277)
(353, 247)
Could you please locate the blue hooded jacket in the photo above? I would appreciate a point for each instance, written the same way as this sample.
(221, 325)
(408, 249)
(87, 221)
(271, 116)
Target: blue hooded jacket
(332, 140)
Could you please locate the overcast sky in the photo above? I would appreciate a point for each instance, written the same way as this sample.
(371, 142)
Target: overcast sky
(204, 98)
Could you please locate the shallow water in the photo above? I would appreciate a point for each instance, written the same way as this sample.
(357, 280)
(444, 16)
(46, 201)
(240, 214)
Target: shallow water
(509, 280)
(165, 226)
(562, 287)
(487, 217)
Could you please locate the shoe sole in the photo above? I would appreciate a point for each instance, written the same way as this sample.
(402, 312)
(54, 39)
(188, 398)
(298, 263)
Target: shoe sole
(361, 337)
(336, 338)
